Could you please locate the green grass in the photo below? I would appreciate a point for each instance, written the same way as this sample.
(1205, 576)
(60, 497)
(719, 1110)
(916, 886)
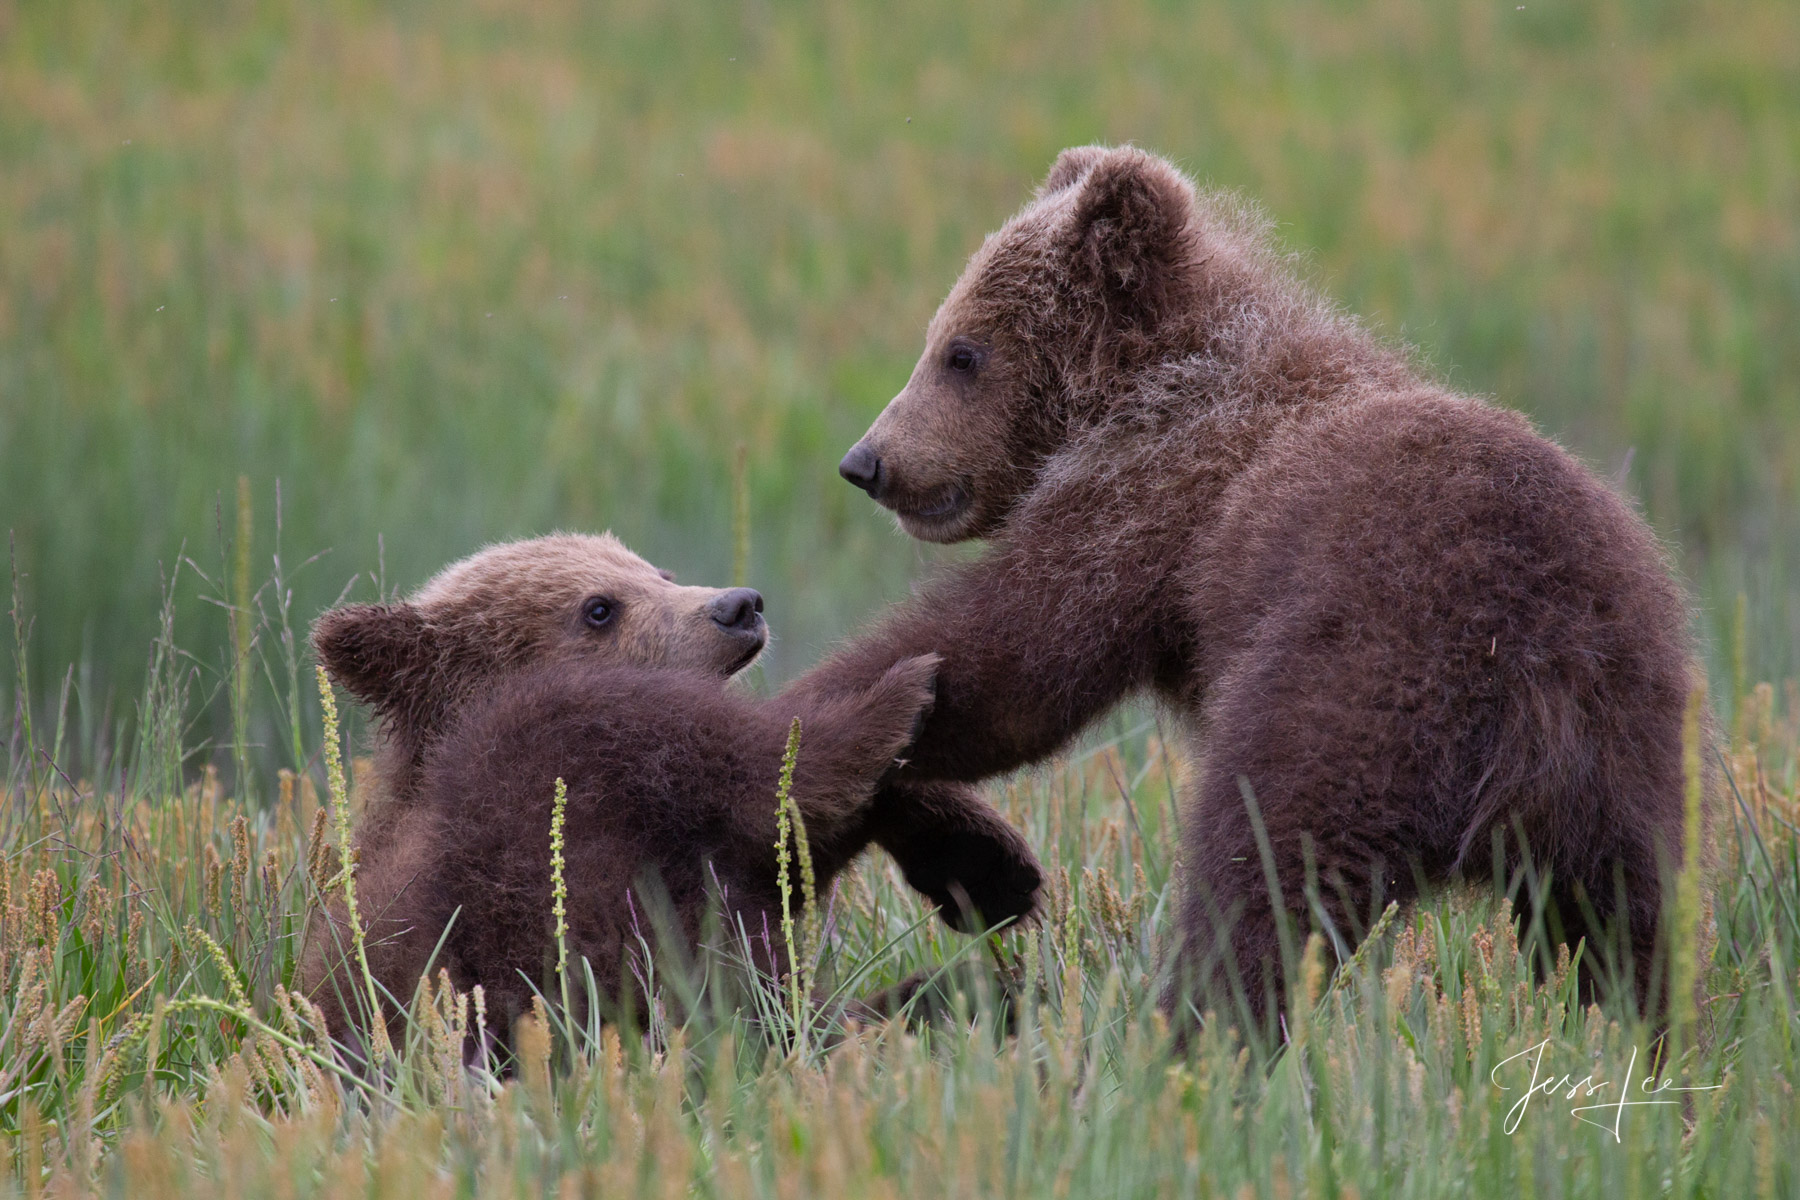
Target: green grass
(455, 272)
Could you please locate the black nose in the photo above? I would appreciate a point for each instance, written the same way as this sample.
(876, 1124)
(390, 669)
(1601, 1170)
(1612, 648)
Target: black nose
(862, 466)
(735, 608)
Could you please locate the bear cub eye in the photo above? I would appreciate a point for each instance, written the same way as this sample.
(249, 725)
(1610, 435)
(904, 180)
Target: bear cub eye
(597, 611)
(962, 358)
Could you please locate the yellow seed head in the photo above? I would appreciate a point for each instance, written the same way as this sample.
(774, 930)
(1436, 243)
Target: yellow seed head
(340, 807)
(559, 892)
(240, 857)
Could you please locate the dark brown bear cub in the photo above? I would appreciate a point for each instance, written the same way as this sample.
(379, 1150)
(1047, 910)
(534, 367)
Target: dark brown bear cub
(1402, 626)
(570, 656)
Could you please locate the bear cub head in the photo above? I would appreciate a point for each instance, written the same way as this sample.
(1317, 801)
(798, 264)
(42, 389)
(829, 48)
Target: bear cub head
(1052, 310)
(518, 606)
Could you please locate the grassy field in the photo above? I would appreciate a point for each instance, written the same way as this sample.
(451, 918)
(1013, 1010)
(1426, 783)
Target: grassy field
(424, 275)
(148, 1047)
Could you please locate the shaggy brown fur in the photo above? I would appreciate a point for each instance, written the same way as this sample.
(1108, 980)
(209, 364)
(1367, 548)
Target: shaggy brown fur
(472, 641)
(1399, 618)
(671, 782)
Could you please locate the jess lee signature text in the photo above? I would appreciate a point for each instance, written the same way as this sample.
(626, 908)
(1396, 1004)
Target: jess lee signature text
(1585, 1088)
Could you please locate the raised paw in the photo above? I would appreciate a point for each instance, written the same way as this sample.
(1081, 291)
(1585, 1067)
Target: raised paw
(890, 714)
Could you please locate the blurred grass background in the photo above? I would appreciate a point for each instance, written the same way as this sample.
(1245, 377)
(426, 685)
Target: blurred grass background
(456, 272)
(463, 271)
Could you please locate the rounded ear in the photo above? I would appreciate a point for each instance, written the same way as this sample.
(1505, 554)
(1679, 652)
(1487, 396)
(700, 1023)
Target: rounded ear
(1069, 167)
(1130, 227)
(376, 651)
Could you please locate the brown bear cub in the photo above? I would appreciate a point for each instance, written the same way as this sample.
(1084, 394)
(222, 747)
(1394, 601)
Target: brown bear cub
(570, 657)
(1404, 629)
(515, 606)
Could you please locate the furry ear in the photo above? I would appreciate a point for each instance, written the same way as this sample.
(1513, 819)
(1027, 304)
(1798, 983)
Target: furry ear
(376, 651)
(1069, 167)
(1130, 226)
